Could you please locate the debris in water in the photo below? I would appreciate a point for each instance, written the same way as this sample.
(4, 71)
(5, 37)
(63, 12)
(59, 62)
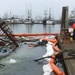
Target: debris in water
(12, 61)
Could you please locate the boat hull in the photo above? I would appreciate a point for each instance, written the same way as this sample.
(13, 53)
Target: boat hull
(48, 22)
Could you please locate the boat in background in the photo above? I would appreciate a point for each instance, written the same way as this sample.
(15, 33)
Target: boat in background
(29, 19)
(48, 20)
(72, 18)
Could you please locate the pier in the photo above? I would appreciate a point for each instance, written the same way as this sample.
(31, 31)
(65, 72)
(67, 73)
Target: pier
(68, 45)
(70, 59)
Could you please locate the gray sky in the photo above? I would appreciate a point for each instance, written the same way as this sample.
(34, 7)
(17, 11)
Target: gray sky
(19, 7)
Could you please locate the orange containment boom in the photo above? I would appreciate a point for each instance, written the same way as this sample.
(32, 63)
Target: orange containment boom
(56, 70)
(54, 41)
(41, 34)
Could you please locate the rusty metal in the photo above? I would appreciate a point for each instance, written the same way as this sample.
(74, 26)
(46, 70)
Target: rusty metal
(4, 29)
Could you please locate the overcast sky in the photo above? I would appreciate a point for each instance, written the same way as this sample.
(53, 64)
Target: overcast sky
(19, 7)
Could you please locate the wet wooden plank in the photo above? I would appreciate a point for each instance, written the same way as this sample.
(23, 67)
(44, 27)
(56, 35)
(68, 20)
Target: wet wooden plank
(69, 63)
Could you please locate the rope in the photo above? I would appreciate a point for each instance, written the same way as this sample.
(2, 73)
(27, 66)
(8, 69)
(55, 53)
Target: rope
(71, 53)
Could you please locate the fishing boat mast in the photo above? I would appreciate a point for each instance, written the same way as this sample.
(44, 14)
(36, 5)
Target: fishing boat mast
(49, 14)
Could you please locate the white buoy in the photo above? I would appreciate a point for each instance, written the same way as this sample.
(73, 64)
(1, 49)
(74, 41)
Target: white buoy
(47, 69)
(50, 51)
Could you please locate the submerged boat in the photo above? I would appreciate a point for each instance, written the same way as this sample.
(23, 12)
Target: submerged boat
(5, 52)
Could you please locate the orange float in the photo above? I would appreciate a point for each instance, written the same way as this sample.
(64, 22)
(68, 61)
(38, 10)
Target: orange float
(54, 41)
(56, 70)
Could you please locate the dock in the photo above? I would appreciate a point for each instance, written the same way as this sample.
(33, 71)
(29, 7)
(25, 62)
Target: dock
(69, 63)
(68, 46)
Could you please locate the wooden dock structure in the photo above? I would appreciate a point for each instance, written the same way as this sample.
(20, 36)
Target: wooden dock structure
(69, 63)
(67, 46)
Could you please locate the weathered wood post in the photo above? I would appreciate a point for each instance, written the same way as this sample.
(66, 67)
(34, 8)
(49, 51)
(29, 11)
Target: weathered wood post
(65, 35)
(64, 20)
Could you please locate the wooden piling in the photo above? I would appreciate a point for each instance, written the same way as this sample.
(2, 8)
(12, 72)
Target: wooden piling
(64, 20)
(65, 35)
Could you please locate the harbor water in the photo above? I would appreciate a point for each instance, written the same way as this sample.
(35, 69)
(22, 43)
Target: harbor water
(21, 61)
(35, 28)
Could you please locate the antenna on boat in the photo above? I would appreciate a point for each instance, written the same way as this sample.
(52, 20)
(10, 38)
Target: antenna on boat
(50, 14)
(30, 10)
(45, 13)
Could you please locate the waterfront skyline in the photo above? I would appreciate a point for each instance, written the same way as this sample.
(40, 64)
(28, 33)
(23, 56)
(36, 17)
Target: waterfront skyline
(19, 7)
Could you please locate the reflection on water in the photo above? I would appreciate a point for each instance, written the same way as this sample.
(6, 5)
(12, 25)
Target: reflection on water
(36, 28)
